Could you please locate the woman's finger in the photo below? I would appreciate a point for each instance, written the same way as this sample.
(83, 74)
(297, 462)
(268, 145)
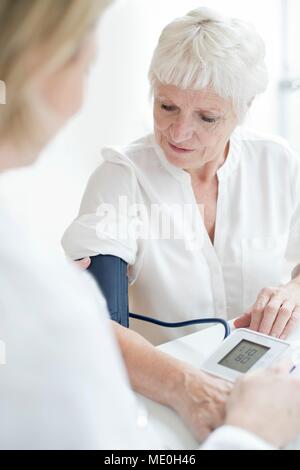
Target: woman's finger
(283, 317)
(270, 314)
(292, 324)
(243, 321)
(258, 308)
(83, 263)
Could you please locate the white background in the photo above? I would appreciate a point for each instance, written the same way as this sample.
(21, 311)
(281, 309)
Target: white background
(118, 108)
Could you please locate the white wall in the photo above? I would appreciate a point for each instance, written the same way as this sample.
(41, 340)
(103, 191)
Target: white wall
(118, 109)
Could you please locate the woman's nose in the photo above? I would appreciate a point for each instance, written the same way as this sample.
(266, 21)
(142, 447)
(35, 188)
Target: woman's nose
(181, 130)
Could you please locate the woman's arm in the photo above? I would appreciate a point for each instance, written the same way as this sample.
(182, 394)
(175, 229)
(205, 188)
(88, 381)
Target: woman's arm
(197, 397)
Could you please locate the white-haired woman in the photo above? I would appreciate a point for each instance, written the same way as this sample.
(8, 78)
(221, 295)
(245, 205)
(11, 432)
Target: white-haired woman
(230, 197)
(63, 385)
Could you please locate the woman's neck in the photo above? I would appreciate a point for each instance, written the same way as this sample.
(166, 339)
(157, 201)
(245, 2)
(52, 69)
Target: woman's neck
(207, 173)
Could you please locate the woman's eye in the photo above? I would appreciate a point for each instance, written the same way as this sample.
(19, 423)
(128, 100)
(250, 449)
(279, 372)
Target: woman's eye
(210, 120)
(165, 107)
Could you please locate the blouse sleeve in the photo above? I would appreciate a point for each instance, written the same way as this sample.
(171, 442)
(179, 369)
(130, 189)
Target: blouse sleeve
(108, 221)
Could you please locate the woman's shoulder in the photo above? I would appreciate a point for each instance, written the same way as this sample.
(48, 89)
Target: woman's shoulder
(131, 153)
(248, 135)
(261, 144)
(29, 264)
(126, 164)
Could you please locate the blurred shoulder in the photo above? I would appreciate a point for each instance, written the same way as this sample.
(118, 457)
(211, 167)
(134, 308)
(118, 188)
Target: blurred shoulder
(45, 280)
(264, 142)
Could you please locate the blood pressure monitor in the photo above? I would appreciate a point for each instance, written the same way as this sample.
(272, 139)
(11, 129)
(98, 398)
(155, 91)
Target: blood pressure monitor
(243, 351)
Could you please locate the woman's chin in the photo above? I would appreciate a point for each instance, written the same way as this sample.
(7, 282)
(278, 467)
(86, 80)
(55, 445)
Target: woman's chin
(179, 157)
(179, 162)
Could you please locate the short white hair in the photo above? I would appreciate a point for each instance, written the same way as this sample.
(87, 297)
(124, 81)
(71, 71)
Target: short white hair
(204, 48)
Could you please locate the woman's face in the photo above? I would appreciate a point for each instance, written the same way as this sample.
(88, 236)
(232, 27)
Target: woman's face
(62, 91)
(192, 127)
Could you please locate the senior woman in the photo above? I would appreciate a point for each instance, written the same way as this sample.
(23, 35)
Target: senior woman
(64, 385)
(223, 239)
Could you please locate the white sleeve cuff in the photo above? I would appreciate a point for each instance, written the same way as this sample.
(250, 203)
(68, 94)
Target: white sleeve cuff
(232, 438)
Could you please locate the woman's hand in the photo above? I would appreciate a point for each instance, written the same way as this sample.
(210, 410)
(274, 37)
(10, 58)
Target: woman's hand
(197, 397)
(201, 402)
(276, 311)
(249, 407)
(83, 263)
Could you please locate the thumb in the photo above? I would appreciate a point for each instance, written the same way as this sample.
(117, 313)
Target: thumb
(243, 321)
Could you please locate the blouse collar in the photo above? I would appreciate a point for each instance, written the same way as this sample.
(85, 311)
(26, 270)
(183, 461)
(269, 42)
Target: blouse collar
(224, 171)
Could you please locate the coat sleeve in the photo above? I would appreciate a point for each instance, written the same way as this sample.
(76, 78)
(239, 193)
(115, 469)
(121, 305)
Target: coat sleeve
(232, 438)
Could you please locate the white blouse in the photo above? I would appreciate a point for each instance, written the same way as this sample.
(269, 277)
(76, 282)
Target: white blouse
(176, 273)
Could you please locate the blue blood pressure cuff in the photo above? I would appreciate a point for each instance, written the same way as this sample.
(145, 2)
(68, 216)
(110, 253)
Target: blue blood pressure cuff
(110, 273)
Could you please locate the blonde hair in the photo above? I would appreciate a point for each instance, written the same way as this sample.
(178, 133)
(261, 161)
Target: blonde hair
(204, 48)
(55, 27)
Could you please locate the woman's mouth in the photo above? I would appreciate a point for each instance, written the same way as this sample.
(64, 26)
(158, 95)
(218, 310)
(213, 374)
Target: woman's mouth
(179, 149)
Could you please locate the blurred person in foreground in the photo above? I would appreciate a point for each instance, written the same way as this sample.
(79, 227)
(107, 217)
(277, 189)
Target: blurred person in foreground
(64, 384)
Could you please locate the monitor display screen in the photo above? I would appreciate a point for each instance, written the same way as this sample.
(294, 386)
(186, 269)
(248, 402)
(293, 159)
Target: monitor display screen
(243, 356)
